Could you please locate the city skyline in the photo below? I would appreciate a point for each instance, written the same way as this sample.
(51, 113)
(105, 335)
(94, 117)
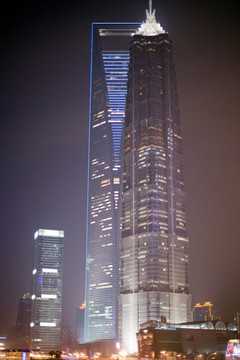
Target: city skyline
(45, 109)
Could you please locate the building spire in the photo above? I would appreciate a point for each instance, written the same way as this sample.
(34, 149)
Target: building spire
(150, 27)
(150, 6)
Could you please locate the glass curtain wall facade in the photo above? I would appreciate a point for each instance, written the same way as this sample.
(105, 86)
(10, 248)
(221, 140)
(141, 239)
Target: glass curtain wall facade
(154, 245)
(46, 311)
(109, 70)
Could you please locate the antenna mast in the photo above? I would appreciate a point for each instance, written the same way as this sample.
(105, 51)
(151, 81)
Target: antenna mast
(150, 7)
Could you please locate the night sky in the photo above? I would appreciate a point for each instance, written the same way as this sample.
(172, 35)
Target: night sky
(44, 70)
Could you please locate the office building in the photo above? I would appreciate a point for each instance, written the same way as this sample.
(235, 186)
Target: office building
(154, 245)
(109, 75)
(3, 342)
(23, 321)
(46, 310)
(203, 312)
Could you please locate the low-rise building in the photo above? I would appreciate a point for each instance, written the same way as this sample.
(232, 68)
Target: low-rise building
(156, 338)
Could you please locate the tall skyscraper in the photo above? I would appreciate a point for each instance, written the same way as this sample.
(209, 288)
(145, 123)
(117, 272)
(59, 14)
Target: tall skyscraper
(154, 244)
(46, 311)
(109, 75)
(23, 321)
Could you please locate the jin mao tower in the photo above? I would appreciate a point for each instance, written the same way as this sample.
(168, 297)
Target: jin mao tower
(154, 244)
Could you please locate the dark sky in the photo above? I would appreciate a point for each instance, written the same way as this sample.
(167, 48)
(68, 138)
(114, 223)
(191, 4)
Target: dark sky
(44, 70)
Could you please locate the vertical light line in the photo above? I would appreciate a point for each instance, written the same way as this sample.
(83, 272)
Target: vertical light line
(133, 194)
(150, 6)
(133, 175)
(89, 136)
(171, 182)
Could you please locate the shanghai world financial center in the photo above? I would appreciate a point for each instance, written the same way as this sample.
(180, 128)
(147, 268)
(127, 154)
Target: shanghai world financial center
(137, 244)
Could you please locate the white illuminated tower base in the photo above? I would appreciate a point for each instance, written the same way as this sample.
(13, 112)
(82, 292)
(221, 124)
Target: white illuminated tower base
(175, 307)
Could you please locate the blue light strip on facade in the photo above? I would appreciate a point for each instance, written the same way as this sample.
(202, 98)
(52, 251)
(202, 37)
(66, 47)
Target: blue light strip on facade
(89, 137)
(116, 75)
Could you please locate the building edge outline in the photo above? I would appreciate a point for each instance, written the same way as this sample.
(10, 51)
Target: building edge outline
(89, 135)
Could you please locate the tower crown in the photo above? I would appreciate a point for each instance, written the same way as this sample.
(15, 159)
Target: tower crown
(150, 27)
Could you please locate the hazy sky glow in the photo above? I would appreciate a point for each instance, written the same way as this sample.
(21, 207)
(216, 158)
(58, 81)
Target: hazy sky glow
(44, 128)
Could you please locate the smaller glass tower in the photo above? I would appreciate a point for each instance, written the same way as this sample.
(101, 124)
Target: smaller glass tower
(46, 310)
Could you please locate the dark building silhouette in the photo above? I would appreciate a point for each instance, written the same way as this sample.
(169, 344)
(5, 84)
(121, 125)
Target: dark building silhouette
(23, 321)
(154, 245)
(79, 324)
(237, 319)
(68, 339)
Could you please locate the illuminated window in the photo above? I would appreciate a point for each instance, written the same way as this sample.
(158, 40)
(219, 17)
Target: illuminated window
(105, 182)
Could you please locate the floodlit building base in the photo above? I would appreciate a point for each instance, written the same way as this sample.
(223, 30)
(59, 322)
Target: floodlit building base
(137, 308)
